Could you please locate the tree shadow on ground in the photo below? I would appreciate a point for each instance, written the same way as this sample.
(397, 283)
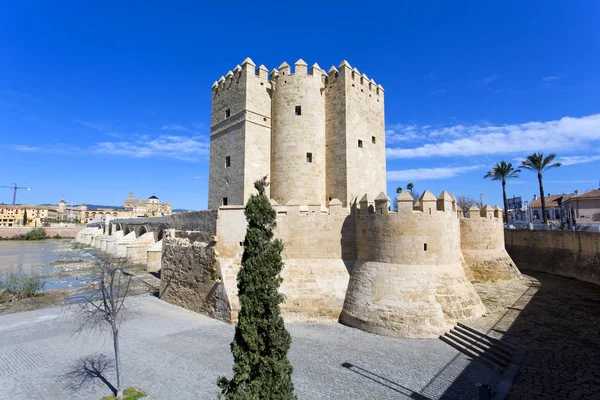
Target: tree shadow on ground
(89, 371)
(396, 387)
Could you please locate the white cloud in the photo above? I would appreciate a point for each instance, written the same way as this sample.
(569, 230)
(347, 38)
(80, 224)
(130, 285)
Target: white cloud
(572, 160)
(423, 174)
(167, 146)
(25, 148)
(182, 128)
(21, 95)
(487, 80)
(550, 78)
(565, 134)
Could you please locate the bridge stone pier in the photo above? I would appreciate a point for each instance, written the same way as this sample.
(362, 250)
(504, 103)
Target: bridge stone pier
(138, 241)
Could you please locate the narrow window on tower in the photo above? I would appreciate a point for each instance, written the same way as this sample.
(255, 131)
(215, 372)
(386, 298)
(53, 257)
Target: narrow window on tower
(373, 140)
(360, 143)
(227, 162)
(298, 110)
(228, 113)
(309, 157)
(224, 201)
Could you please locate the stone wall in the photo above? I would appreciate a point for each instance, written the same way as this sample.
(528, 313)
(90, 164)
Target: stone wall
(482, 245)
(10, 232)
(571, 254)
(409, 280)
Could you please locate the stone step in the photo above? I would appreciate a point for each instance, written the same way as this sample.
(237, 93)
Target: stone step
(482, 355)
(510, 347)
(481, 352)
(483, 346)
(496, 344)
(474, 355)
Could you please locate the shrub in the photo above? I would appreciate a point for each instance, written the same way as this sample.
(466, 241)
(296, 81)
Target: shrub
(19, 285)
(36, 234)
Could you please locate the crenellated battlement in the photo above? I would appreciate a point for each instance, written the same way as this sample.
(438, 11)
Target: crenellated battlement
(248, 67)
(354, 78)
(233, 77)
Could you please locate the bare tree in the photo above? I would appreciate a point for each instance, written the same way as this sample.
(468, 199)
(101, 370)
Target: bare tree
(465, 202)
(102, 305)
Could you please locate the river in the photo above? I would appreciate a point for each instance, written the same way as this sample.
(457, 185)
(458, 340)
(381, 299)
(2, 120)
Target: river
(56, 260)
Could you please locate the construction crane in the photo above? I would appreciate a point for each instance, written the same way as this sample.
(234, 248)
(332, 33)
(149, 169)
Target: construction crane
(15, 188)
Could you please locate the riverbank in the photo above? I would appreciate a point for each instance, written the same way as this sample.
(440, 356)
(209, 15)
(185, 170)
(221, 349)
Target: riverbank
(7, 232)
(65, 268)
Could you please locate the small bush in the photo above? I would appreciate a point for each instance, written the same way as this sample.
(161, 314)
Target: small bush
(36, 234)
(19, 285)
(129, 394)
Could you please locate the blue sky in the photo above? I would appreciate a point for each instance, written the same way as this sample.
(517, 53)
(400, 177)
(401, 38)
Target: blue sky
(100, 99)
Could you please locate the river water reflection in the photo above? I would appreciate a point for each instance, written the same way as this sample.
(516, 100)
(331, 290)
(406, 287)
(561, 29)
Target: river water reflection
(61, 265)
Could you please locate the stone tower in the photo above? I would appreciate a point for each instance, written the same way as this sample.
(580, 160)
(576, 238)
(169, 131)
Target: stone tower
(326, 138)
(240, 134)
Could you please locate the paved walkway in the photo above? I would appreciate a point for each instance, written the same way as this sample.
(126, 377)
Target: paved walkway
(176, 354)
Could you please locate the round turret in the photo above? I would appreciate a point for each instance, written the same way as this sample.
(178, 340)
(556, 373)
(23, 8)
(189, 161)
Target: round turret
(298, 135)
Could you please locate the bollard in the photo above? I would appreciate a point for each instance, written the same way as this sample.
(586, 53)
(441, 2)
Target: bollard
(483, 392)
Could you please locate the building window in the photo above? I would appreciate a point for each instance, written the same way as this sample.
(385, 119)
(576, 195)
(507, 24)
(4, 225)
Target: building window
(228, 113)
(373, 140)
(360, 143)
(425, 246)
(227, 162)
(298, 110)
(224, 201)
(309, 157)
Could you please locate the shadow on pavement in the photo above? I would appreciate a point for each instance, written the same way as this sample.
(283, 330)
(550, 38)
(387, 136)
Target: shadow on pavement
(385, 382)
(87, 371)
(556, 321)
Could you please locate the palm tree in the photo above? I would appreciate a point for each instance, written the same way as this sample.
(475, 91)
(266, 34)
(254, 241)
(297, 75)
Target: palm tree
(537, 163)
(399, 189)
(410, 187)
(502, 172)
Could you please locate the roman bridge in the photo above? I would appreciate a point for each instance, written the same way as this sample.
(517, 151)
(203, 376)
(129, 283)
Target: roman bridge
(139, 241)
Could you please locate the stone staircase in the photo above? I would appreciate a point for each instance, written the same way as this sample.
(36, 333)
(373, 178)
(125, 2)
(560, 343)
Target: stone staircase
(494, 353)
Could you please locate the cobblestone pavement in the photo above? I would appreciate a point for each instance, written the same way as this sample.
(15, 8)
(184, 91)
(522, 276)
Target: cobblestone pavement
(557, 320)
(173, 353)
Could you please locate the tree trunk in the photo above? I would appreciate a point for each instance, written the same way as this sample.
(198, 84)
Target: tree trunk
(505, 201)
(544, 219)
(119, 394)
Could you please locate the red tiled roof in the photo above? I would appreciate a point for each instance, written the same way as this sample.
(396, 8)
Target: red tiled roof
(551, 201)
(592, 194)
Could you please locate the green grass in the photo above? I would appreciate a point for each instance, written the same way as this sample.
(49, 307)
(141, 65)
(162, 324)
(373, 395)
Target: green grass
(19, 285)
(128, 394)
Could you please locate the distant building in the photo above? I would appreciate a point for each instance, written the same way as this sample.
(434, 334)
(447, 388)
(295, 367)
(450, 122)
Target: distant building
(553, 208)
(151, 207)
(583, 209)
(36, 215)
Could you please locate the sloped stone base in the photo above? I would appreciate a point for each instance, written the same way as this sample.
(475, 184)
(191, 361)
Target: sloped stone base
(409, 301)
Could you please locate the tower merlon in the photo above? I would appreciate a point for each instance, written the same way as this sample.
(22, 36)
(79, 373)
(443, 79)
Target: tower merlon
(284, 69)
(237, 69)
(382, 204)
(365, 205)
(474, 211)
(445, 202)
(427, 202)
(497, 212)
(405, 202)
(248, 61)
(487, 212)
(262, 71)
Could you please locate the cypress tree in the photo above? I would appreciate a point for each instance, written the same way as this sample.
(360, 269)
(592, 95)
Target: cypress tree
(25, 218)
(261, 369)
